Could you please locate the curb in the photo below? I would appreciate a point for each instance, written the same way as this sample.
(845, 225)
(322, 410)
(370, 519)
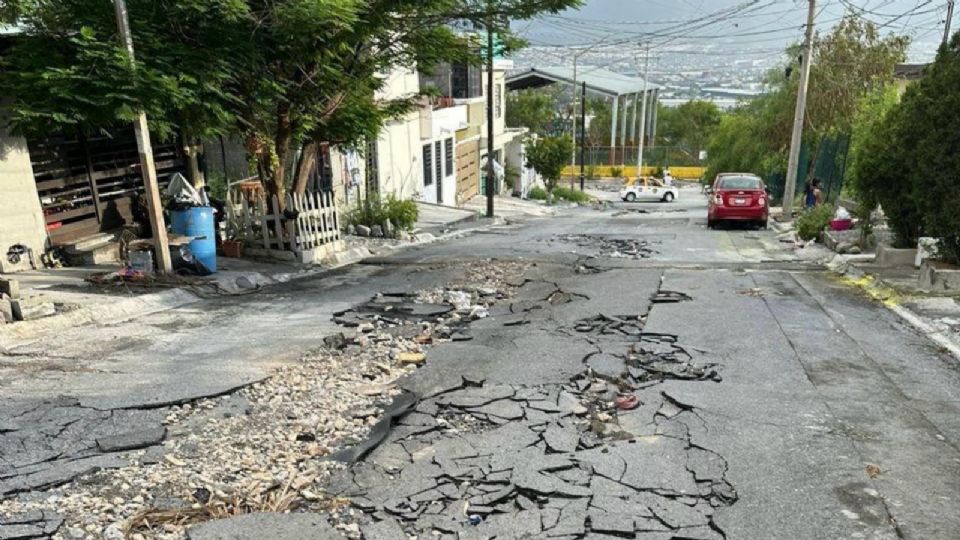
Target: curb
(887, 295)
(18, 334)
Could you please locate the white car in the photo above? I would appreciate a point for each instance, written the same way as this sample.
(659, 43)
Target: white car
(649, 189)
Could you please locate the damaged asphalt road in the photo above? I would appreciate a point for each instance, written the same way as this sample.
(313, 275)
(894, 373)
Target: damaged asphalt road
(489, 452)
(626, 387)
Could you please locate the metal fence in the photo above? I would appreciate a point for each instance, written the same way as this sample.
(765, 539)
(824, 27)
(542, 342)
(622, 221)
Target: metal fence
(653, 156)
(830, 167)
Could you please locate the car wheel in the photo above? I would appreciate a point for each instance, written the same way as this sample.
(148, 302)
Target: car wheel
(630, 197)
(711, 224)
(668, 197)
(762, 224)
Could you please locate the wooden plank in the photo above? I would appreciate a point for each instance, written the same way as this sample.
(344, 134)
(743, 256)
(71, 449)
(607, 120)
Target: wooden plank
(70, 214)
(277, 225)
(265, 233)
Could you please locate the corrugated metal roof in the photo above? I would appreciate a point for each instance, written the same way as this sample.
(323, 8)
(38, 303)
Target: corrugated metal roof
(599, 80)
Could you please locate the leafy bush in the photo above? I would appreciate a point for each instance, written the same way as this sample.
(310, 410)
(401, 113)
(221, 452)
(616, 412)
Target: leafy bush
(402, 213)
(616, 172)
(548, 156)
(571, 195)
(812, 222)
(537, 193)
(375, 211)
(591, 172)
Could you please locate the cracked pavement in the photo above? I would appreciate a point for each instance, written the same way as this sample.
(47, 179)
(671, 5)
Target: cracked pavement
(627, 388)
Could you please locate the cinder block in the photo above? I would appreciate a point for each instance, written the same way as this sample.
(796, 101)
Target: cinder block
(10, 287)
(6, 311)
(28, 309)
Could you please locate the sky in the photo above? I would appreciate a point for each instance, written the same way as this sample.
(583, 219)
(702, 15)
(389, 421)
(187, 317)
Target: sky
(730, 26)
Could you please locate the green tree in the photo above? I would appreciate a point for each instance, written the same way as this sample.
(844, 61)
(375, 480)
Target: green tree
(281, 73)
(851, 61)
(548, 155)
(928, 137)
(688, 127)
(534, 109)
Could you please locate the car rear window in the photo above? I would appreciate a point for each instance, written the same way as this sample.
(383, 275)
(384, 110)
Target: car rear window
(740, 182)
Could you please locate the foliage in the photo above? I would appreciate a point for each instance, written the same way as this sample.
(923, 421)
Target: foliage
(927, 161)
(537, 193)
(850, 62)
(69, 72)
(548, 156)
(591, 171)
(598, 132)
(533, 109)
(813, 221)
(279, 73)
(616, 172)
(373, 210)
(571, 195)
(511, 176)
(217, 183)
(688, 127)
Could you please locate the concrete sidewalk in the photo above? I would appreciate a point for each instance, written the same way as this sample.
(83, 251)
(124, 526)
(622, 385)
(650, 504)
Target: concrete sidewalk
(510, 207)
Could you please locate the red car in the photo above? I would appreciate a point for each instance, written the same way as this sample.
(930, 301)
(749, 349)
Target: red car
(738, 197)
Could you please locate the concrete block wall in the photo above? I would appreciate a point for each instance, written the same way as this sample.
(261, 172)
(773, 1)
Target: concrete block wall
(21, 217)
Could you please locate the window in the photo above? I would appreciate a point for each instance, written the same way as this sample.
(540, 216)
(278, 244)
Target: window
(427, 164)
(740, 182)
(438, 160)
(448, 154)
(498, 100)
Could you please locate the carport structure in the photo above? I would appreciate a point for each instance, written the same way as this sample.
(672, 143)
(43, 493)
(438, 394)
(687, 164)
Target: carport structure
(634, 100)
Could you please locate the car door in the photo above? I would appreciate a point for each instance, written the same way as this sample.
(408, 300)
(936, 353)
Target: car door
(654, 191)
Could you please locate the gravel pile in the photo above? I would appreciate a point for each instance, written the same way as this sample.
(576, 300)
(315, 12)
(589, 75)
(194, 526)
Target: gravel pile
(263, 447)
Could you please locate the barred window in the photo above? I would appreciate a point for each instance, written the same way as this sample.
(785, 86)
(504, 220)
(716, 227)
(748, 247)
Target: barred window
(427, 164)
(448, 154)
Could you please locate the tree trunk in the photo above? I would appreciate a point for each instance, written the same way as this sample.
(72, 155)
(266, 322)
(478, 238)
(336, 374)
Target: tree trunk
(273, 160)
(191, 154)
(308, 161)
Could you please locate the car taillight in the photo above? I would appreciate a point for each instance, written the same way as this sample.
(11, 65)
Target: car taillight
(761, 201)
(718, 199)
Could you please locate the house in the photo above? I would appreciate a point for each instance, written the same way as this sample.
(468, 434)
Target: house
(905, 74)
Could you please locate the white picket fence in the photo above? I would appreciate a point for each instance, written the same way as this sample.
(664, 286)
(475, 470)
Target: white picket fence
(262, 226)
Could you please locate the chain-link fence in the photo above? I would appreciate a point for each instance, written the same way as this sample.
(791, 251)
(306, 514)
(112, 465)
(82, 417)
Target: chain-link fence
(830, 167)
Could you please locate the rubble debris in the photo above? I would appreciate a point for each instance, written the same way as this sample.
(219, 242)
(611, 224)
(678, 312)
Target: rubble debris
(611, 246)
(669, 297)
(624, 325)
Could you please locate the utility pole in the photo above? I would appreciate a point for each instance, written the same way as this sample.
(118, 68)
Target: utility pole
(946, 28)
(583, 138)
(643, 111)
(491, 177)
(147, 168)
(796, 140)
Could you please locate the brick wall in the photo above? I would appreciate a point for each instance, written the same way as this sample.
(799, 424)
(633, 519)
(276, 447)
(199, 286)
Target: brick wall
(21, 219)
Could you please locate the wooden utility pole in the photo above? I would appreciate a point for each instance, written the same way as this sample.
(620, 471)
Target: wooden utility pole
(796, 140)
(147, 168)
(946, 27)
(491, 176)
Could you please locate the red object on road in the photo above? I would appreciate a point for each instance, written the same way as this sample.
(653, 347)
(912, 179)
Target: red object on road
(627, 402)
(738, 198)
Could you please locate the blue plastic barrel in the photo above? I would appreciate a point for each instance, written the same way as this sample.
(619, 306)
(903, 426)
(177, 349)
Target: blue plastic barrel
(198, 223)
